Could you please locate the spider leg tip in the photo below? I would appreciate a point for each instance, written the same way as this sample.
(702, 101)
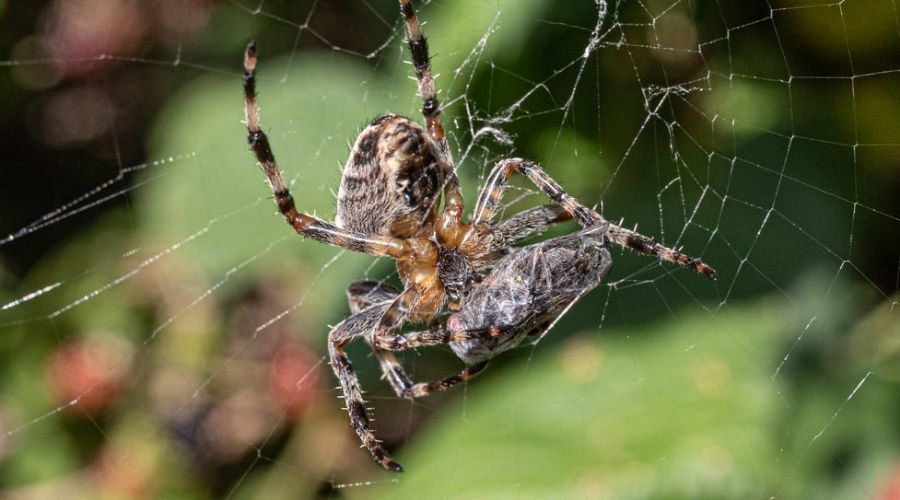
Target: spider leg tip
(391, 465)
(708, 271)
(250, 55)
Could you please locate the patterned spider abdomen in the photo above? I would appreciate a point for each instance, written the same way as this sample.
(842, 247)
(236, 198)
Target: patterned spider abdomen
(391, 183)
(527, 291)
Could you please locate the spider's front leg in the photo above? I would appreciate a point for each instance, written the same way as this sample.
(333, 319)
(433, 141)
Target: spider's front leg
(364, 323)
(492, 193)
(427, 338)
(528, 223)
(304, 224)
(418, 47)
(385, 339)
(490, 197)
(357, 325)
(364, 294)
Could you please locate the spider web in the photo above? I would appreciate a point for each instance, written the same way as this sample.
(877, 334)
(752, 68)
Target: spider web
(164, 333)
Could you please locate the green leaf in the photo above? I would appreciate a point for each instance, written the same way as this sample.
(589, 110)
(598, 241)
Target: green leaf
(684, 410)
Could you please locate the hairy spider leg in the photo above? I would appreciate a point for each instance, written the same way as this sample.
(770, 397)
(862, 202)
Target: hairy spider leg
(304, 224)
(359, 324)
(362, 324)
(494, 187)
(423, 389)
(490, 197)
(431, 111)
(527, 223)
(385, 341)
(426, 338)
(364, 294)
(386, 338)
(418, 47)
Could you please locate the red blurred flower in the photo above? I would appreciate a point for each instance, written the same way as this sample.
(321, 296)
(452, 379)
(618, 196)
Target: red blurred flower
(890, 489)
(88, 373)
(294, 377)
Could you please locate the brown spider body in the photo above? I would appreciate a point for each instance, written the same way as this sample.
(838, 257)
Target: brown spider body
(391, 186)
(389, 204)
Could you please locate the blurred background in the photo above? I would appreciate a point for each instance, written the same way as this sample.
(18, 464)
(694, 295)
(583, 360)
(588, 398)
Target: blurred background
(163, 333)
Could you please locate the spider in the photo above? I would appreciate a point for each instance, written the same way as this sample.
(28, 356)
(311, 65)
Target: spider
(389, 205)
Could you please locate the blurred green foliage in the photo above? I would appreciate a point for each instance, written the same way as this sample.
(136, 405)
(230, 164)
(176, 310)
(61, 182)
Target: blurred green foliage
(680, 410)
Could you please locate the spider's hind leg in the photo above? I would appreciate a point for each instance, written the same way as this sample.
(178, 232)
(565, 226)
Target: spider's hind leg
(422, 389)
(418, 47)
(432, 337)
(362, 294)
(431, 111)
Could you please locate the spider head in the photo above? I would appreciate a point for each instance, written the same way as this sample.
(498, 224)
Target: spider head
(456, 274)
(391, 183)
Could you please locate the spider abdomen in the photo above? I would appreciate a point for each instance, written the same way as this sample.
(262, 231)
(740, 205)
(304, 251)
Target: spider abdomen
(391, 183)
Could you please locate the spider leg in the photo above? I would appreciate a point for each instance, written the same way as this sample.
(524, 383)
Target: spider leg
(362, 324)
(304, 224)
(358, 325)
(363, 294)
(431, 111)
(422, 389)
(490, 196)
(425, 338)
(418, 47)
(528, 223)
(386, 339)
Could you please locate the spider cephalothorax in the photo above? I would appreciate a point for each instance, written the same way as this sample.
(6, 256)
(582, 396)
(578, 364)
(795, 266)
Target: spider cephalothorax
(389, 204)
